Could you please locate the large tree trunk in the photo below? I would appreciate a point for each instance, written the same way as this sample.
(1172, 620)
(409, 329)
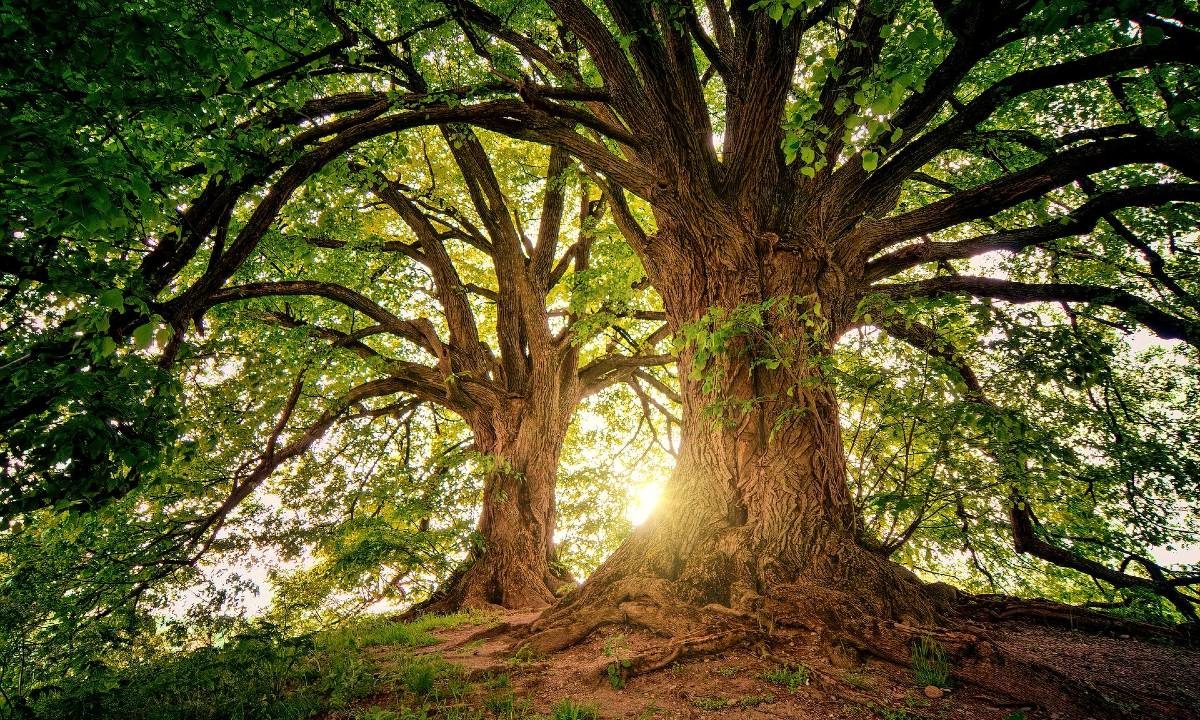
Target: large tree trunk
(756, 521)
(513, 564)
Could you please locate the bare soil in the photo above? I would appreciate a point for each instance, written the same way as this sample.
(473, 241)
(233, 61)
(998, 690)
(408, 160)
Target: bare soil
(1135, 678)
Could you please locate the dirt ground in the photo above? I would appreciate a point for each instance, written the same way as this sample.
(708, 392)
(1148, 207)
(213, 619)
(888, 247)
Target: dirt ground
(1131, 678)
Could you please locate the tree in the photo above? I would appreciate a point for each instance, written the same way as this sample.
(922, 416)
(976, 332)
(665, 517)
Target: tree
(517, 399)
(808, 168)
(541, 295)
(746, 245)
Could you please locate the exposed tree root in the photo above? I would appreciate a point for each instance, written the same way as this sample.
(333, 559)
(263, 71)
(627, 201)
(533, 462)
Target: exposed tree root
(681, 649)
(978, 655)
(475, 586)
(997, 608)
(487, 633)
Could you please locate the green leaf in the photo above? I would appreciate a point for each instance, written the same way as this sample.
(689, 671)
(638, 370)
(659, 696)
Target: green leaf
(870, 160)
(113, 299)
(142, 335)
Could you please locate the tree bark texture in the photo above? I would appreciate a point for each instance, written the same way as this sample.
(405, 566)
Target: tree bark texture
(756, 520)
(513, 565)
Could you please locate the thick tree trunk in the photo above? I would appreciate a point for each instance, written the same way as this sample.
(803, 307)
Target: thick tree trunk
(513, 565)
(756, 521)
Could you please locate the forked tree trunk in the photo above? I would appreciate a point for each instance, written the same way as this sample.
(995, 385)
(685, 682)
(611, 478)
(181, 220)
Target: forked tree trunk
(756, 520)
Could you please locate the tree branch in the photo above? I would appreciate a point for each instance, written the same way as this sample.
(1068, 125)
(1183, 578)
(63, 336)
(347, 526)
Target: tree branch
(420, 332)
(1080, 221)
(1163, 324)
(1176, 151)
(924, 148)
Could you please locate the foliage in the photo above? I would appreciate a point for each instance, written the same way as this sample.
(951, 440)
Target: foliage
(616, 649)
(258, 672)
(568, 709)
(105, 106)
(927, 460)
(787, 334)
(170, 441)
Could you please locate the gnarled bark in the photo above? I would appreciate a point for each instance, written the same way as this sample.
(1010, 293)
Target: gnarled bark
(513, 565)
(756, 523)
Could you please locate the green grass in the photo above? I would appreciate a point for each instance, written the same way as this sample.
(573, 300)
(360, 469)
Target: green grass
(713, 703)
(791, 676)
(930, 663)
(385, 631)
(376, 713)
(524, 655)
(500, 681)
(568, 709)
(858, 679)
(616, 648)
(264, 675)
(721, 703)
(649, 712)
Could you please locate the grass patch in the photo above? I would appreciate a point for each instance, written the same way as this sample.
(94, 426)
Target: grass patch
(257, 674)
(930, 663)
(713, 703)
(858, 679)
(568, 709)
(376, 713)
(506, 706)
(499, 682)
(369, 632)
(616, 648)
(649, 712)
(524, 655)
(261, 674)
(790, 676)
(721, 703)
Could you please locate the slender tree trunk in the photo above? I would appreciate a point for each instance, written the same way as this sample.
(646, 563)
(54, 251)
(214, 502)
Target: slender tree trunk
(514, 564)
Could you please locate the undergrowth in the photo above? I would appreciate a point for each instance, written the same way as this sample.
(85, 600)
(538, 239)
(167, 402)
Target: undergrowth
(792, 676)
(261, 674)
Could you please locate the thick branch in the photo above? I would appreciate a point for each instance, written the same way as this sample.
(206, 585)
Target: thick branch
(1080, 221)
(1164, 324)
(1175, 151)
(1026, 541)
(924, 338)
(420, 332)
(932, 143)
(613, 369)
